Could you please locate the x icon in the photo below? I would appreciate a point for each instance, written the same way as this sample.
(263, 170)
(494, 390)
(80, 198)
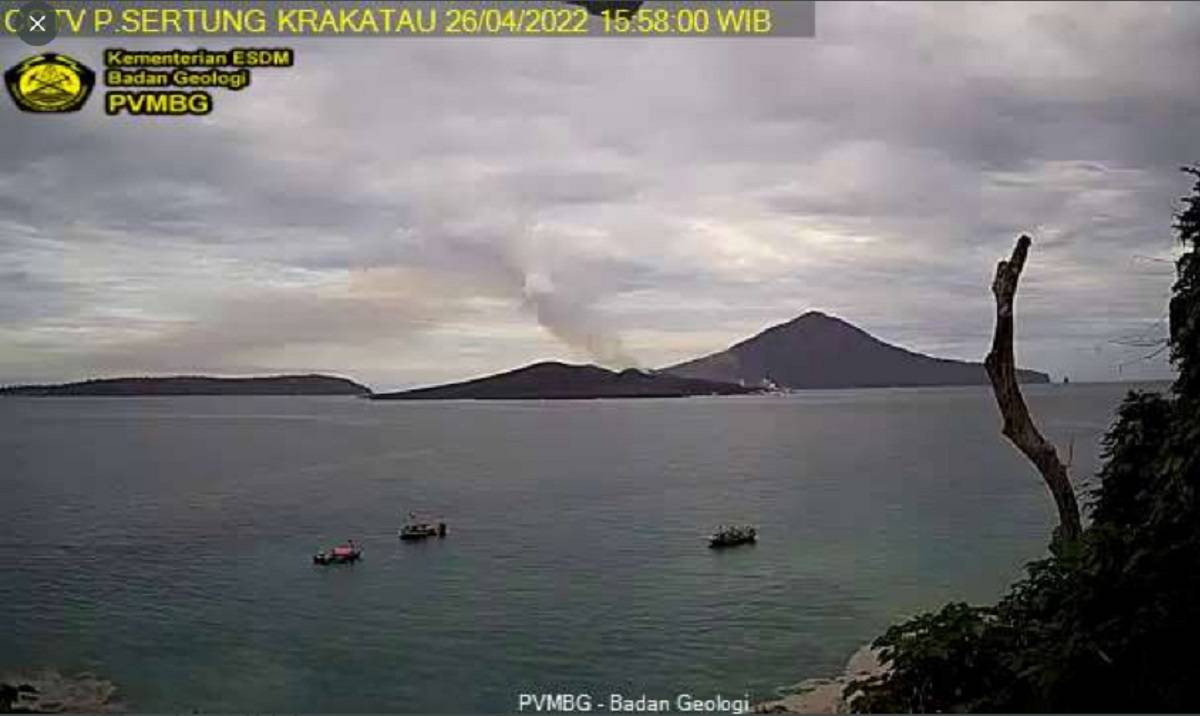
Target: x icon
(38, 24)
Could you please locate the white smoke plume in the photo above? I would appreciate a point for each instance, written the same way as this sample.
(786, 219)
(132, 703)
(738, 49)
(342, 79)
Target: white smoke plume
(574, 320)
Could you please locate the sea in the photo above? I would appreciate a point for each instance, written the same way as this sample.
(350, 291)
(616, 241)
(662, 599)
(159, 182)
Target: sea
(166, 544)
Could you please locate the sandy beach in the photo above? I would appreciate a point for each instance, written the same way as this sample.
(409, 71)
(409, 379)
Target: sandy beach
(47, 691)
(824, 695)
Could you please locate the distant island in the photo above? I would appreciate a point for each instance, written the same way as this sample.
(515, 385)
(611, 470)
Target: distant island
(196, 385)
(812, 351)
(561, 381)
(821, 351)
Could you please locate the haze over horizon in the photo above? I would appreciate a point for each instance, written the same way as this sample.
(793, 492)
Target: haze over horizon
(494, 203)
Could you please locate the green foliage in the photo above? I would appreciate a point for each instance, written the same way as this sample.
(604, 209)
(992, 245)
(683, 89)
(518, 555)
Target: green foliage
(1185, 322)
(945, 657)
(1110, 623)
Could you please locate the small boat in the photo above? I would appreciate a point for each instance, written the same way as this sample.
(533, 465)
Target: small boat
(417, 530)
(733, 536)
(342, 554)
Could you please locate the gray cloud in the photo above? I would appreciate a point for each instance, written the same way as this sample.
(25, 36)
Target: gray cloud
(627, 201)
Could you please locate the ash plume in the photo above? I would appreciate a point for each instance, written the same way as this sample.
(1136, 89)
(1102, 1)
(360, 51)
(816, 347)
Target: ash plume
(573, 320)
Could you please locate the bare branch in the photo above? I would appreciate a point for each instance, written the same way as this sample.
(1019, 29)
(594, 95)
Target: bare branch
(1019, 427)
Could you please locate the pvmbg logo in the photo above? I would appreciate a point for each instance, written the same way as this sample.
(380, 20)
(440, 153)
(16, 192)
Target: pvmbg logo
(50, 82)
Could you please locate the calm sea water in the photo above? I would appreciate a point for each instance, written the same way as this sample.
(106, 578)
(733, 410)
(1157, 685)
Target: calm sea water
(165, 543)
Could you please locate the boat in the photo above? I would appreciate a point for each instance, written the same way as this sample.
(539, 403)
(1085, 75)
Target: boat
(415, 530)
(732, 536)
(342, 554)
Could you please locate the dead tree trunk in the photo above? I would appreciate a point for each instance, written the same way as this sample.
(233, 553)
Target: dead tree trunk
(1018, 425)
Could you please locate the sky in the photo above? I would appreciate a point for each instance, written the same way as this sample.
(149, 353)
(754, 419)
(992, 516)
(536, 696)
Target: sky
(412, 211)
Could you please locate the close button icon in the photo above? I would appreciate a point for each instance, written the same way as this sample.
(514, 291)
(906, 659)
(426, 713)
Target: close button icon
(37, 23)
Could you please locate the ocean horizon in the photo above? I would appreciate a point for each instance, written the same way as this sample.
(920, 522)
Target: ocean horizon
(165, 544)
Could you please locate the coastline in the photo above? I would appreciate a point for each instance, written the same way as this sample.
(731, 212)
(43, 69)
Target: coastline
(824, 695)
(48, 691)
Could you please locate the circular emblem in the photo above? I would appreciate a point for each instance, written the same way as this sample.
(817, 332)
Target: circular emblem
(50, 83)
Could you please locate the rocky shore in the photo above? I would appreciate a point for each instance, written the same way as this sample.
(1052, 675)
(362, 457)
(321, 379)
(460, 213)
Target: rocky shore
(824, 696)
(48, 691)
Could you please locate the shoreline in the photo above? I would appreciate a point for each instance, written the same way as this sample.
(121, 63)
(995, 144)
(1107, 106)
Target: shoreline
(49, 691)
(824, 695)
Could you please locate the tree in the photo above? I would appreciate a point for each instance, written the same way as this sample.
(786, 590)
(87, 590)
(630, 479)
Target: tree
(1111, 623)
(1018, 425)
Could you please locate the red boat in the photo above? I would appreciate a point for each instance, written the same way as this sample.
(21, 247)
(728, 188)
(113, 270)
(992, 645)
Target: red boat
(342, 554)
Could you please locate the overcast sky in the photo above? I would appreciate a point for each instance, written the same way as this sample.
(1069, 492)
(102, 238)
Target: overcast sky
(412, 211)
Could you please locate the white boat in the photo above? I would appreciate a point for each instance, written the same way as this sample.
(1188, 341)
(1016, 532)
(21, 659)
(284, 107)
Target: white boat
(417, 530)
(732, 536)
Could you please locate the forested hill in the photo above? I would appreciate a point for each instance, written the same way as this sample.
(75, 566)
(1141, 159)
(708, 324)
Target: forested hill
(552, 380)
(311, 384)
(821, 351)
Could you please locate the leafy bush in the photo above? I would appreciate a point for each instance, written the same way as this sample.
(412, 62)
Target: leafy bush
(1109, 623)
